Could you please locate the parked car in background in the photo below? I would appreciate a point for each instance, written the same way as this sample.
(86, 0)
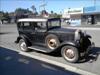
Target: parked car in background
(47, 35)
(5, 20)
(73, 22)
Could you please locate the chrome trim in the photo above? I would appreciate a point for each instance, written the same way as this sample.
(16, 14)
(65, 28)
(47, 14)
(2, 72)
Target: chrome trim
(77, 36)
(85, 33)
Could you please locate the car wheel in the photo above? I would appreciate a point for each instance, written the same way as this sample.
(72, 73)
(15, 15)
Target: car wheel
(68, 23)
(23, 45)
(70, 53)
(52, 41)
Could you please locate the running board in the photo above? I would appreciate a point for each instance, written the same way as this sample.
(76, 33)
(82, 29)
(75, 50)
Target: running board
(41, 49)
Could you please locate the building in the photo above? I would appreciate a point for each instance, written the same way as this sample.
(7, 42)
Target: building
(73, 16)
(91, 15)
(86, 15)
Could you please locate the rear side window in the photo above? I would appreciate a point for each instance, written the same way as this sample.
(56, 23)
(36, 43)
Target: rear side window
(28, 25)
(32, 25)
(19, 24)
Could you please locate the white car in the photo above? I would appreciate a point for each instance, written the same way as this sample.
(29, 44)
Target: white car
(73, 22)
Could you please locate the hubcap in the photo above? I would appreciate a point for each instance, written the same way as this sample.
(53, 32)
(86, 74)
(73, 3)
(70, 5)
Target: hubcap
(23, 46)
(52, 43)
(69, 53)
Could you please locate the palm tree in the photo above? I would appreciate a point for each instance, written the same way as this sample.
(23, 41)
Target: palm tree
(52, 12)
(33, 8)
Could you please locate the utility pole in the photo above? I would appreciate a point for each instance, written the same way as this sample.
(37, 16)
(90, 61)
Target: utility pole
(94, 2)
(42, 5)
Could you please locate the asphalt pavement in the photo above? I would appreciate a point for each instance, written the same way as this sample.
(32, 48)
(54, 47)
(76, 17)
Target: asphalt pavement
(8, 34)
(12, 63)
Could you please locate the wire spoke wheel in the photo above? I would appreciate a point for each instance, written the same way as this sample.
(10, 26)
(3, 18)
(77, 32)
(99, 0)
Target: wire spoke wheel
(23, 45)
(70, 53)
(52, 41)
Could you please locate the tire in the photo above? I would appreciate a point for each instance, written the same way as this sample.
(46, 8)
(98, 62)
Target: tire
(68, 23)
(23, 45)
(70, 53)
(52, 41)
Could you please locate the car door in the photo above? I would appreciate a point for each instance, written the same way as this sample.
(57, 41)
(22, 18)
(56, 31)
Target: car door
(29, 30)
(40, 33)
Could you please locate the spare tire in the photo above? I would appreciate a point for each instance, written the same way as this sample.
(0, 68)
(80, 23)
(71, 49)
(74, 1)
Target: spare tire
(52, 41)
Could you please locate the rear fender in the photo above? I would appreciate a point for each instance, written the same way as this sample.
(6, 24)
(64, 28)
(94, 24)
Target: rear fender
(25, 38)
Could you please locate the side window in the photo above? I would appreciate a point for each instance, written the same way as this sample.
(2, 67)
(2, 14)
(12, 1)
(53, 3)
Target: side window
(40, 25)
(28, 25)
(20, 25)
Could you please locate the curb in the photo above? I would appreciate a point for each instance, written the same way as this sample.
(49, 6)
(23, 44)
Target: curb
(65, 66)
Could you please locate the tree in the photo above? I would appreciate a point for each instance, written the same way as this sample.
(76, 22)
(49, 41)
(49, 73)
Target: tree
(55, 15)
(44, 13)
(52, 12)
(34, 10)
(1, 14)
(20, 11)
(4, 17)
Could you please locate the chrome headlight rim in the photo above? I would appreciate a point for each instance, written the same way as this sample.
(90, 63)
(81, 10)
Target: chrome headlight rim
(77, 34)
(84, 33)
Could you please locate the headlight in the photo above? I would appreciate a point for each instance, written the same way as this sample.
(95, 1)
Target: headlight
(77, 35)
(84, 33)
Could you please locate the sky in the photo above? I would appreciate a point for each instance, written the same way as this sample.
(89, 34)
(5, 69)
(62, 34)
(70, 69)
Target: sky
(51, 5)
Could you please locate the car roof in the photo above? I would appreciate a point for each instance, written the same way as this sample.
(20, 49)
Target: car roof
(36, 19)
(32, 20)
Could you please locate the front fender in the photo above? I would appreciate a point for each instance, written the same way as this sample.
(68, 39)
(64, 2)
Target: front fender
(68, 43)
(88, 36)
(58, 49)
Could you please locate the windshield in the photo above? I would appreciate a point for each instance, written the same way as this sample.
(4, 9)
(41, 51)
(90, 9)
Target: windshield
(54, 23)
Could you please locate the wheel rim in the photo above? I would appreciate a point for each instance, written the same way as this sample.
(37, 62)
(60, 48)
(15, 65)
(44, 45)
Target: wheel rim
(52, 44)
(69, 54)
(23, 46)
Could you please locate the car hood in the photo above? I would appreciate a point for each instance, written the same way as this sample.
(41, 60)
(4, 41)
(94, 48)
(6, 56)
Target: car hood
(63, 30)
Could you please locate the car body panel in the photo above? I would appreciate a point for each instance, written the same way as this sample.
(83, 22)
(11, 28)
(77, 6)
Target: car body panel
(36, 37)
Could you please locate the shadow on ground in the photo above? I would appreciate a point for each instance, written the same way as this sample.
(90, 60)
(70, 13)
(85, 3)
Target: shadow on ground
(12, 63)
(3, 33)
(92, 55)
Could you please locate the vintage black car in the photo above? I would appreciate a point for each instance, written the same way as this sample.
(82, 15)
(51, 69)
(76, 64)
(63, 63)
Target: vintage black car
(48, 36)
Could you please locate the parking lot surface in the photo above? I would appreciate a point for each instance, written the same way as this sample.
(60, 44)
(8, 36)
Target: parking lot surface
(8, 34)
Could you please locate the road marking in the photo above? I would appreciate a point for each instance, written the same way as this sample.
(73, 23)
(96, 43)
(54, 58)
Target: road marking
(83, 28)
(67, 67)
